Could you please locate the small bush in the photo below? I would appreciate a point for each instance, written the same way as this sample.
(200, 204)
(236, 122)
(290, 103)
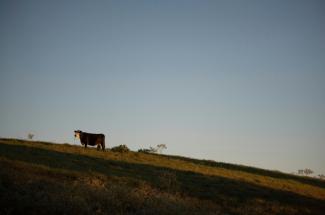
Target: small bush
(144, 150)
(120, 148)
(30, 136)
(150, 150)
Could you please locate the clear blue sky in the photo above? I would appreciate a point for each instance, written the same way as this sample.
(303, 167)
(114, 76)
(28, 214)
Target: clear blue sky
(234, 81)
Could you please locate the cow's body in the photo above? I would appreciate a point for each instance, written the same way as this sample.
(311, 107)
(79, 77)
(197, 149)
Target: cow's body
(91, 139)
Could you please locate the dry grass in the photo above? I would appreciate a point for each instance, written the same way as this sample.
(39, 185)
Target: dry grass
(39, 178)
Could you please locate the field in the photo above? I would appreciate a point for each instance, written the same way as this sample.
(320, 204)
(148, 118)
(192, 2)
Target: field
(47, 178)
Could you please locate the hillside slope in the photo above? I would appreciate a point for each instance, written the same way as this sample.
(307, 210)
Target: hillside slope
(46, 178)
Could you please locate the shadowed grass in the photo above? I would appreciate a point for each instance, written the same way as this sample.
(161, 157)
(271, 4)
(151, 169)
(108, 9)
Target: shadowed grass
(186, 183)
(248, 169)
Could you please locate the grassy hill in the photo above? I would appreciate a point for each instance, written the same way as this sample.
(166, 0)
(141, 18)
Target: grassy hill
(46, 178)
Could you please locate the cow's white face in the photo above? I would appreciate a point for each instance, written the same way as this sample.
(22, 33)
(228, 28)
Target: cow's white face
(77, 134)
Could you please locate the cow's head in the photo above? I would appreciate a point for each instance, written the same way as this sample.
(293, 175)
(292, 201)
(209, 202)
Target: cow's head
(77, 134)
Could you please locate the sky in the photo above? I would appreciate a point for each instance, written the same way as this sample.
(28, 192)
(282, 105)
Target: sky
(232, 81)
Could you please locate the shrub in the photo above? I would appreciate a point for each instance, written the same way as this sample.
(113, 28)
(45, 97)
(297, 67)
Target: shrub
(145, 150)
(150, 150)
(120, 148)
(161, 147)
(30, 136)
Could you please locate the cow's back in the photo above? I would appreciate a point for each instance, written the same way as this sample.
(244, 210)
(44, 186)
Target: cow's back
(93, 139)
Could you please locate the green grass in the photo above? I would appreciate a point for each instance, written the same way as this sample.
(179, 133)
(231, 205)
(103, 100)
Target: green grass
(46, 178)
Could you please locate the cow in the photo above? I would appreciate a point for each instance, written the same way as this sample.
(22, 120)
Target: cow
(90, 139)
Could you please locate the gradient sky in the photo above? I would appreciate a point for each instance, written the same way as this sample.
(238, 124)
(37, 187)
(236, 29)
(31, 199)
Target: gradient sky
(234, 81)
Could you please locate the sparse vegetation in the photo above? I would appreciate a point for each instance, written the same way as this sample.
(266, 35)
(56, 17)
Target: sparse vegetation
(306, 171)
(161, 147)
(150, 150)
(120, 148)
(144, 150)
(158, 149)
(44, 178)
(30, 136)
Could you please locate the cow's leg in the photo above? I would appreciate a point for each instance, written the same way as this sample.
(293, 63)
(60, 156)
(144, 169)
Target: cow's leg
(87, 142)
(98, 147)
(103, 143)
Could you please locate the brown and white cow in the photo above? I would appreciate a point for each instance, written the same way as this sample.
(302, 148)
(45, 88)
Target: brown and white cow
(90, 139)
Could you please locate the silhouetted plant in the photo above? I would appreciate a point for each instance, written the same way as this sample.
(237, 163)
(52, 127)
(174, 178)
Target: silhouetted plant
(308, 171)
(120, 148)
(300, 171)
(161, 147)
(30, 136)
(144, 150)
(150, 150)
